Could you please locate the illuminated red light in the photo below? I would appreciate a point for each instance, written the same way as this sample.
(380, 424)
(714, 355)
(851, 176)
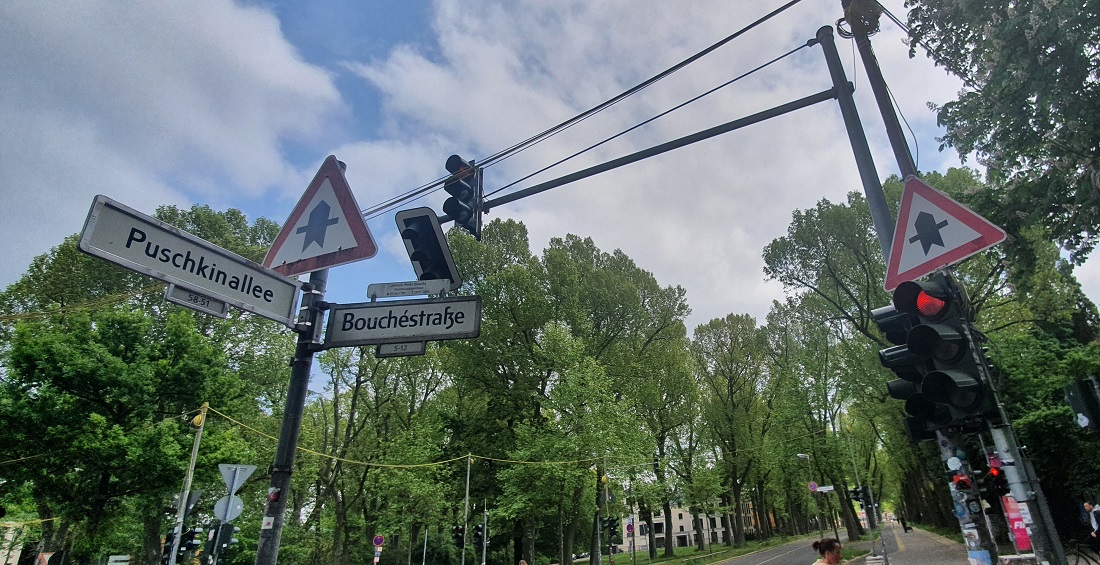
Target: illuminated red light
(929, 306)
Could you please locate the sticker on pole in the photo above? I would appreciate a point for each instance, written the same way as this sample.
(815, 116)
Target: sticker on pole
(934, 231)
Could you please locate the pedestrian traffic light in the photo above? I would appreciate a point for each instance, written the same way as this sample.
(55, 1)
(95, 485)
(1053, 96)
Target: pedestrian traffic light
(464, 186)
(479, 534)
(427, 246)
(458, 534)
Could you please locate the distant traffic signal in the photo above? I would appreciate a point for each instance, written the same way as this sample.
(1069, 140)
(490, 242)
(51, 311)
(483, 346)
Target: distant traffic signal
(479, 534)
(464, 186)
(427, 246)
(613, 526)
(458, 534)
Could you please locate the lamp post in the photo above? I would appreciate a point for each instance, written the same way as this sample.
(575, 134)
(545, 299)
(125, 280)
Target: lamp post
(820, 532)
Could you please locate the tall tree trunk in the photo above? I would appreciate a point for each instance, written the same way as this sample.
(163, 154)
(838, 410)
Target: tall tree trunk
(670, 542)
(697, 525)
(738, 515)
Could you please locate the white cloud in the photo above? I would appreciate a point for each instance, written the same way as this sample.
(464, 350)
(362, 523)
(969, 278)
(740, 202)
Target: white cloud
(149, 103)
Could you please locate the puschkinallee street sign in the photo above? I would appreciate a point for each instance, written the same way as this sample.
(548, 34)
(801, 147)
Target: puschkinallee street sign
(401, 321)
(122, 235)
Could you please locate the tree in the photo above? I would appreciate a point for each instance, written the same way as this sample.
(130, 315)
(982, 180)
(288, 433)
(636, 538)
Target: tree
(1030, 109)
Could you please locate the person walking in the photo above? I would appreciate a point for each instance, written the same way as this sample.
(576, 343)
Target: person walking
(829, 549)
(1093, 541)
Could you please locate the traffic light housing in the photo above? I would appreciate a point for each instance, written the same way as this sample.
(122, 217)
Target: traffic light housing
(167, 549)
(458, 534)
(190, 540)
(464, 186)
(427, 246)
(479, 534)
(942, 376)
(613, 526)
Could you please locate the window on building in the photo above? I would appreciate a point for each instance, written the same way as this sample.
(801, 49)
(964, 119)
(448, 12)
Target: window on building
(713, 523)
(680, 516)
(681, 527)
(659, 528)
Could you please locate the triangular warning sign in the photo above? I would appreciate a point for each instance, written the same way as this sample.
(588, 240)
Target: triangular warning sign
(934, 231)
(325, 229)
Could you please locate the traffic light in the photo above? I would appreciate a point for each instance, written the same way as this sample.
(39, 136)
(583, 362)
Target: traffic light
(613, 526)
(941, 375)
(910, 369)
(169, 538)
(994, 482)
(427, 246)
(190, 540)
(855, 494)
(464, 186)
(962, 482)
(479, 534)
(225, 538)
(458, 534)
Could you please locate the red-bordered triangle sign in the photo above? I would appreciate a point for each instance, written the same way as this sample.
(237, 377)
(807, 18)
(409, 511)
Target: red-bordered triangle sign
(934, 231)
(325, 229)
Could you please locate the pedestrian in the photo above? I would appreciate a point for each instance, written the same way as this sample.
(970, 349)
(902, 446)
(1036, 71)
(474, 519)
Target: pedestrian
(1093, 540)
(829, 548)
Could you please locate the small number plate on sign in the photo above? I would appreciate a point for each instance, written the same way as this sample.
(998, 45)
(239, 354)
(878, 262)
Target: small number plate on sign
(191, 299)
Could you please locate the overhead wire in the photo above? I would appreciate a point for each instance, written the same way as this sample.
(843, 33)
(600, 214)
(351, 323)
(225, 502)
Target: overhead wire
(499, 156)
(660, 115)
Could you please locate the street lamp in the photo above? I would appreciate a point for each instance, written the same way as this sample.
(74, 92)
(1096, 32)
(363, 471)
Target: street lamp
(820, 531)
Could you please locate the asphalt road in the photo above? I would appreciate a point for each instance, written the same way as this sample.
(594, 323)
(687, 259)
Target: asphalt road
(916, 547)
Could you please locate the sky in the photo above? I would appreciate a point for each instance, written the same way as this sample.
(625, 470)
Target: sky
(236, 105)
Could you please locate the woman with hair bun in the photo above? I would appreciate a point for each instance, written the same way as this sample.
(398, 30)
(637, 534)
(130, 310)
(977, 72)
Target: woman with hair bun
(829, 548)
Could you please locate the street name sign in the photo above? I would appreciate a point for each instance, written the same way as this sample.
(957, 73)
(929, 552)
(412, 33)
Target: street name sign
(825, 488)
(934, 231)
(325, 229)
(403, 321)
(141, 243)
(407, 288)
(196, 301)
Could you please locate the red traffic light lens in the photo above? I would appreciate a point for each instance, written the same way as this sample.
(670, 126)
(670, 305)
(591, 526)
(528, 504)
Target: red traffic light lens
(929, 306)
(995, 472)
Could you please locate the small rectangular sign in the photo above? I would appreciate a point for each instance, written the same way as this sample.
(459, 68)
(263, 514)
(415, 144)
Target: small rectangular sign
(409, 288)
(126, 237)
(403, 321)
(383, 350)
(191, 299)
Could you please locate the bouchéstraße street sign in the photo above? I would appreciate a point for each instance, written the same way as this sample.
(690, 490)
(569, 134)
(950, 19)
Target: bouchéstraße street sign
(934, 231)
(126, 237)
(403, 321)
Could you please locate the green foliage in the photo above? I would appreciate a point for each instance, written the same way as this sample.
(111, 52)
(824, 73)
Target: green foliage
(1031, 109)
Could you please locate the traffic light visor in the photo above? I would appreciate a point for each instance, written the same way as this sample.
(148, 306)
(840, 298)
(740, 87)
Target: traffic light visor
(928, 301)
(942, 343)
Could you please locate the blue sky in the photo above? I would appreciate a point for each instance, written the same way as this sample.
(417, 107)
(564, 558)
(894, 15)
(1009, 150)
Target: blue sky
(237, 104)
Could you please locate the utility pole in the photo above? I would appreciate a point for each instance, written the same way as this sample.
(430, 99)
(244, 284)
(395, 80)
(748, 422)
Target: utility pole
(181, 512)
(309, 338)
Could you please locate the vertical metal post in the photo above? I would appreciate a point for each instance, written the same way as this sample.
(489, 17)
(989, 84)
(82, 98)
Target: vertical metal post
(181, 512)
(980, 547)
(885, 107)
(466, 510)
(309, 335)
(872, 188)
(484, 530)
(424, 556)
